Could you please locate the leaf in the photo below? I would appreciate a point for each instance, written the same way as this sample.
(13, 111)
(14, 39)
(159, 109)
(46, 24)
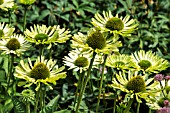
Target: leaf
(19, 106)
(44, 13)
(53, 102)
(63, 111)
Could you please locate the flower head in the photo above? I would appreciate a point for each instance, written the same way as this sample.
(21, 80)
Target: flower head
(163, 110)
(47, 35)
(159, 77)
(167, 77)
(5, 30)
(6, 4)
(16, 44)
(27, 95)
(43, 71)
(121, 61)
(97, 41)
(119, 25)
(134, 85)
(149, 62)
(78, 60)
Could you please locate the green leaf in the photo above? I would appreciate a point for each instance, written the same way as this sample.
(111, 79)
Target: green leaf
(63, 111)
(19, 107)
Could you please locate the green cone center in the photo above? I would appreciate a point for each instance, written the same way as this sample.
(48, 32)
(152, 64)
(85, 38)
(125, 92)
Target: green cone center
(81, 62)
(40, 71)
(115, 23)
(144, 64)
(41, 37)
(137, 84)
(1, 33)
(1, 2)
(96, 40)
(13, 44)
(119, 63)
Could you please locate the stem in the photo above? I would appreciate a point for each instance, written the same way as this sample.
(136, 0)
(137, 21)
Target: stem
(101, 83)
(37, 100)
(138, 106)
(27, 107)
(114, 104)
(79, 86)
(129, 105)
(150, 111)
(10, 72)
(25, 17)
(85, 82)
(41, 47)
(9, 16)
(162, 88)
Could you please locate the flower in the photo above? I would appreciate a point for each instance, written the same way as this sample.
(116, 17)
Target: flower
(5, 30)
(6, 4)
(163, 110)
(95, 41)
(47, 35)
(78, 60)
(134, 85)
(118, 25)
(149, 62)
(27, 2)
(27, 96)
(159, 77)
(121, 61)
(43, 71)
(16, 44)
(161, 98)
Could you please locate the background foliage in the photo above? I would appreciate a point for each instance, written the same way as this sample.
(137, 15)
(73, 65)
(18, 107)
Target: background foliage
(153, 34)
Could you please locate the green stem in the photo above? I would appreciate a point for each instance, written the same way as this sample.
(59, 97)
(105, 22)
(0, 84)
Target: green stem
(162, 88)
(114, 104)
(10, 72)
(41, 48)
(129, 105)
(138, 106)
(79, 86)
(27, 107)
(37, 100)
(101, 83)
(9, 16)
(85, 82)
(25, 17)
(150, 111)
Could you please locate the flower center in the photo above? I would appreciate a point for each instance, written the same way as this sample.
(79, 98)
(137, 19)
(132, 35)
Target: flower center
(13, 44)
(119, 63)
(27, 2)
(114, 23)
(144, 64)
(1, 33)
(40, 71)
(1, 2)
(96, 40)
(137, 84)
(41, 37)
(81, 62)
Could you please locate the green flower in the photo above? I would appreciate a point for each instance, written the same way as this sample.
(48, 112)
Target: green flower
(117, 25)
(27, 2)
(27, 96)
(47, 35)
(6, 4)
(16, 44)
(149, 62)
(96, 40)
(44, 71)
(134, 85)
(5, 30)
(121, 61)
(78, 60)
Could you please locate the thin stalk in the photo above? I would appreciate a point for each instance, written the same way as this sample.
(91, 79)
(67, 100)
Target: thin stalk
(37, 100)
(41, 49)
(150, 111)
(162, 88)
(10, 72)
(9, 16)
(138, 106)
(101, 83)
(85, 82)
(129, 105)
(27, 107)
(41, 97)
(25, 17)
(114, 104)
(79, 86)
